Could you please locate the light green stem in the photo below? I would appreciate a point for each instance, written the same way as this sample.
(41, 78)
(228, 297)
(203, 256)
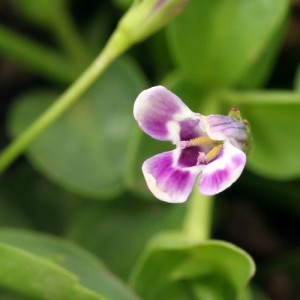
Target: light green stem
(39, 58)
(198, 217)
(117, 44)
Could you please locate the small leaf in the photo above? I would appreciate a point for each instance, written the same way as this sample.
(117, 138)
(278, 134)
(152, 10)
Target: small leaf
(174, 264)
(85, 149)
(69, 258)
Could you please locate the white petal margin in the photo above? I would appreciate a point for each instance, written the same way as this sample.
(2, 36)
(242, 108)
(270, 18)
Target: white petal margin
(222, 172)
(156, 108)
(167, 182)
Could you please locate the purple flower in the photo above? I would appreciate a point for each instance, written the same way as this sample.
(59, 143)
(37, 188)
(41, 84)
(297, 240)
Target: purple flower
(212, 146)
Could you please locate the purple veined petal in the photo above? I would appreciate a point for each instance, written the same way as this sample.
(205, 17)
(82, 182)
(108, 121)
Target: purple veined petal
(220, 127)
(158, 112)
(223, 171)
(167, 182)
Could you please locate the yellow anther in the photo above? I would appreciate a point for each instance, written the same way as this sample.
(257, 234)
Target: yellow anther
(212, 154)
(202, 141)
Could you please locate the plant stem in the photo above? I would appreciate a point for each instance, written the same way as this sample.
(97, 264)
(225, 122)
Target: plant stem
(39, 58)
(117, 44)
(198, 217)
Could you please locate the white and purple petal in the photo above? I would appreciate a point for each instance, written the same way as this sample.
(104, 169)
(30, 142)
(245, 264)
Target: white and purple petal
(222, 128)
(158, 113)
(166, 180)
(223, 171)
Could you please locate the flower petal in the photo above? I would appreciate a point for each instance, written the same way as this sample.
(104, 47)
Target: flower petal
(220, 127)
(168, 182)
(223, 171)
(156, 109)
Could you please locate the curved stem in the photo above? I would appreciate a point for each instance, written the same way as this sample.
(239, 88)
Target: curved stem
(198, 217)
(117, 44)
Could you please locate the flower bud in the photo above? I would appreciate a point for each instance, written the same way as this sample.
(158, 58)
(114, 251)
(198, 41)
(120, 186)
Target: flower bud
(148, 16)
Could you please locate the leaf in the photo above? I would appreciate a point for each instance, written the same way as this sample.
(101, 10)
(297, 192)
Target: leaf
(38, 278)
(258, 73)
(215, 42)
(207, 270)
(85, 150)
(40, 12)
(274, 118)
(67, 258)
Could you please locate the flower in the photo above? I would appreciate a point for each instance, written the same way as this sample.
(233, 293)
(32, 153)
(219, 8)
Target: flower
(212, 145)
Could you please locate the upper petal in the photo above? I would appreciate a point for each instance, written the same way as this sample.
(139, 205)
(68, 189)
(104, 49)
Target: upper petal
(223, 171)
(167, 181)
(220, 127)
(157, 110)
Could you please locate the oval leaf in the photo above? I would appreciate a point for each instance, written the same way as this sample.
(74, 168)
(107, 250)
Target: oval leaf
(85, 149)
(69, 258)
(215, 42)
(177, 266)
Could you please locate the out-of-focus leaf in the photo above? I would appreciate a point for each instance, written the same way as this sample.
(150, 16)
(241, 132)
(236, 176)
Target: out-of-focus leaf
(275, 124)
(38, 278)
(121, 228)
(258, 73)
(85, 149)
(174, 265)
(215, 42)
(297, 80)
(39, 12)
(32, 201)
(63, 254)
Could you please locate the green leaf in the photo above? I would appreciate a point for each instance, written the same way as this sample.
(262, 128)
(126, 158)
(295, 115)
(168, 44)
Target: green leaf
(175, 265)
(85, 150)
(39, 12)
(38, 278)
(257, 74)
(215, 42)
(68, 259)
(274, 119)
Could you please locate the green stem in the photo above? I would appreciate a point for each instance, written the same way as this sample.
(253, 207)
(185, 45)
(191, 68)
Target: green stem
(117, 44)
(198, 217)
(39, 58)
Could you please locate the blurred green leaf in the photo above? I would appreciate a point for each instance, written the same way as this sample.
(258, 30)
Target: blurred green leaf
(173, 264)
(258, 73)
(61, 254)
(215, 42)
(85, 150)
(38, 278)
(275, 124)
(42, 13)
(121, 228)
